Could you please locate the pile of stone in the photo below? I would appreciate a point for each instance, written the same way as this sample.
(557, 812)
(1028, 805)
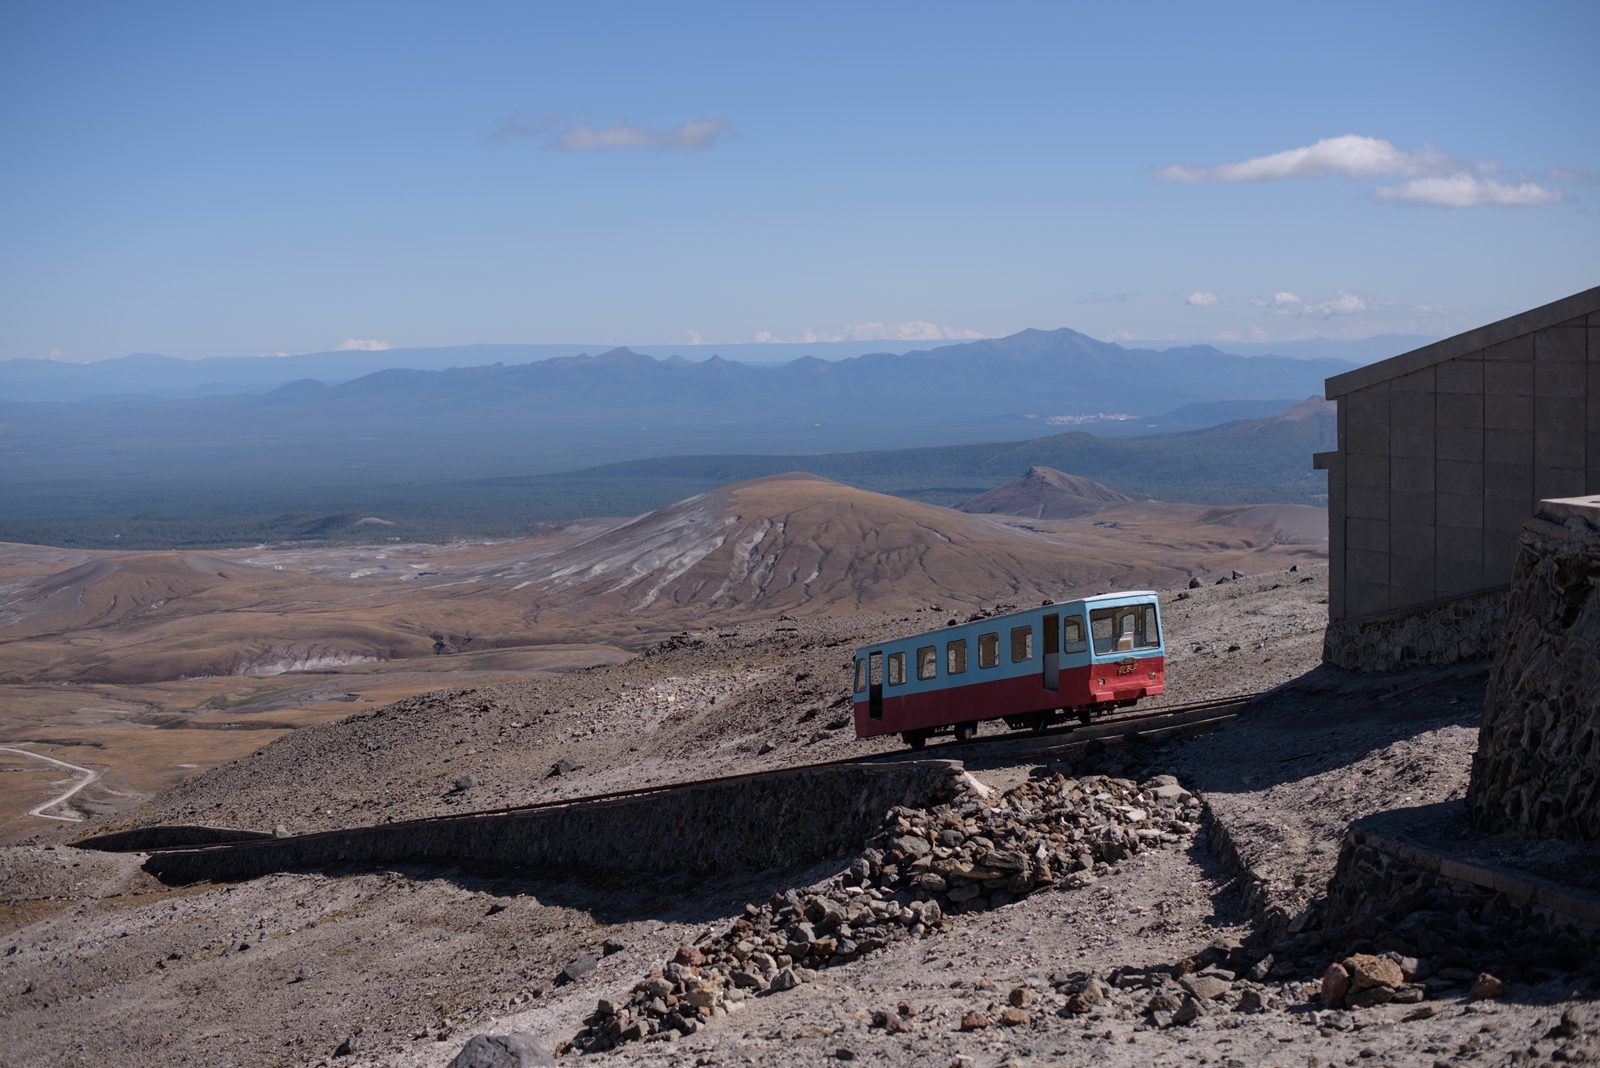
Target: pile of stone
(927, 866)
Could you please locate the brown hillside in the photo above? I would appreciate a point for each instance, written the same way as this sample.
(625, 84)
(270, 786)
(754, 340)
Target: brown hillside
(1045, 493)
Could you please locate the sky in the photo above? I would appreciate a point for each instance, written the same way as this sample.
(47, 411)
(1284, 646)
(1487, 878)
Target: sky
(243, 179)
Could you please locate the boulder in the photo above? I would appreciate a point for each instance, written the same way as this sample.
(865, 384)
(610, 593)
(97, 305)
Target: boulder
(517, 1050)
(1367, 971)
(1335, 985)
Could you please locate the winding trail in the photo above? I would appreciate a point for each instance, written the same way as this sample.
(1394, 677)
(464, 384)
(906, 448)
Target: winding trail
(90, 776)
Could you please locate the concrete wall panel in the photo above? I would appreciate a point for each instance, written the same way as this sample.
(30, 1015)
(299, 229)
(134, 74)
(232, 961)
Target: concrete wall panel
(1411, 441)
(1503, 411)
(1459, 410)
(1464, 375)
(1439, 466)
(1411, 475)
(1411, 540)
(1416, 409)
(1461, 509)
(1458, 478)
(1371, 535)
(1560, 344)
(1508, 447)
(1364, 502)
(1557, 482)
(1368, 567)
(1517, 350)
(1559, 450)
(1560, 380)
(1368, 406)
(1507, 513)
(1363, 470)
(1507, 379)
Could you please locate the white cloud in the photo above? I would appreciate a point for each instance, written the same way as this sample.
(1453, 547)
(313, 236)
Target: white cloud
(1344, 304)
(1431, 177)
(1277, 300)
(576, 135)
(1348, 156)
(692, 136)
(1200, 300)
(916, 330)
(357, 345)
(696, 339)
(1468, 191)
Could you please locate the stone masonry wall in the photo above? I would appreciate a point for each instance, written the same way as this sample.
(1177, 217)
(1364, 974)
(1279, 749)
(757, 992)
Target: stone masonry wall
(751, 824)
(1537, 769)
(1466, 628)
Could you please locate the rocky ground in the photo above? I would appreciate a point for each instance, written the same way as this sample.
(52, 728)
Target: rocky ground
(99, 963)
(700, 704)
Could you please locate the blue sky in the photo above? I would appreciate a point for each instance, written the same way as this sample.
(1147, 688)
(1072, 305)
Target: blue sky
(231, 179)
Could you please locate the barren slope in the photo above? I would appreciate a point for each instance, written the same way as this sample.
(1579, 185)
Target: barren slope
(1045, 493)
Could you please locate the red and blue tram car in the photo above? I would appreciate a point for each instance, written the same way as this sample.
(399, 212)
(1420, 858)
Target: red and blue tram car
(1031, 668)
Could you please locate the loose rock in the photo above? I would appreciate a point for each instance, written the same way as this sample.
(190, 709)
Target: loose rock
(517, 1050)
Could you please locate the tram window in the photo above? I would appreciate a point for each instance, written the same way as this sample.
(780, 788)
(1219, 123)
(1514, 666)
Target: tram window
(955, 657)
(861, 676)
(897, 669)
(1021, 644)
(988, 650)
(1072, 635)
(927, 661)
(1124, 628)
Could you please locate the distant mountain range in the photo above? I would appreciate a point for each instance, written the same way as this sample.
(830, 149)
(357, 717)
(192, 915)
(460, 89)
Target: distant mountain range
(571, 412)
(161, 376)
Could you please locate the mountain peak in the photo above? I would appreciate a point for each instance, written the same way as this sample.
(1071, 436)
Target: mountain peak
(1045, 493)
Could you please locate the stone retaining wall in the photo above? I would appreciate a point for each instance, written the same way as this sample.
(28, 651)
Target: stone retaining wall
(751, 823)
(148, 839)
(1537, 769)
(1387, 880)
(1447, 632)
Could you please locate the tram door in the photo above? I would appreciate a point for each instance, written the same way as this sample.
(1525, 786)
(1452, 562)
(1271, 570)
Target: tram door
(1052, 652)
(875, 685)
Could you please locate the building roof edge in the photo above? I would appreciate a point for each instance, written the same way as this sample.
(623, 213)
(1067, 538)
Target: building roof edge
(1584, 303)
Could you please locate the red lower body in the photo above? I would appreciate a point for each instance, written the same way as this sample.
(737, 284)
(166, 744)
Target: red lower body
(1097, 685)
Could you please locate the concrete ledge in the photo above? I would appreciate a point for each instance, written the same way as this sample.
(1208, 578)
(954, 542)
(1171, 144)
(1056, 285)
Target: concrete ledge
(1387, 833)
(1560, 509)
(751, 823)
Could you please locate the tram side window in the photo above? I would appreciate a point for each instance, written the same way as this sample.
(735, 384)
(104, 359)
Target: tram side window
(897, 669)
(988, 650)
(861, 676)
(927, 661)
(955, 657)
(1124, 628)
(1072, 635)
(1021, 644)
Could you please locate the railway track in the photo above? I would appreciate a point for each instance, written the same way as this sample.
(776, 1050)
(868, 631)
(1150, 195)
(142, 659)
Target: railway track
(1017, 743)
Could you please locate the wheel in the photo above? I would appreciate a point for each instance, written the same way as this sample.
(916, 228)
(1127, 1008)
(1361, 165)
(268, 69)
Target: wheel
(1084, 716)
(966, 731)
(915, 739)
(1042, 724)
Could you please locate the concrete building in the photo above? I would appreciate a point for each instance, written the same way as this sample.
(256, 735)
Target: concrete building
(1443, 453)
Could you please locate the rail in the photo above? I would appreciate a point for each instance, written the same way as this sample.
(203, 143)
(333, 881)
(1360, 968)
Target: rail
(1051, 740)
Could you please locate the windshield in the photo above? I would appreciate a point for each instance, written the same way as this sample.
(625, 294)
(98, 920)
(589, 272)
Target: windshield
(1124, 628)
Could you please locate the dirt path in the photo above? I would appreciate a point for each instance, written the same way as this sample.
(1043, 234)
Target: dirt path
(90, 775)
